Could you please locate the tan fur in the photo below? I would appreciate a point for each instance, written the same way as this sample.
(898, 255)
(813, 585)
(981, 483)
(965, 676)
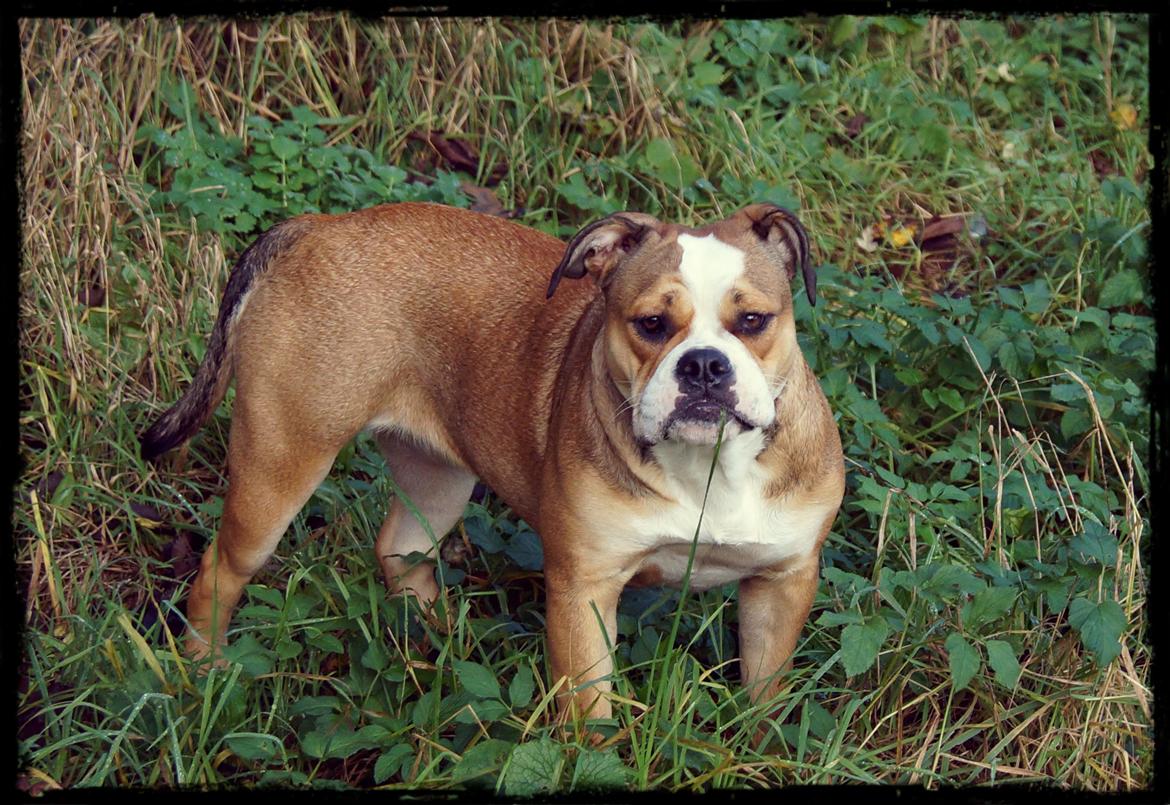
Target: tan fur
(430, 326)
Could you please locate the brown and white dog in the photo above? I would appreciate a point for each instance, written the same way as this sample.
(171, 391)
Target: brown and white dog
(593, 412)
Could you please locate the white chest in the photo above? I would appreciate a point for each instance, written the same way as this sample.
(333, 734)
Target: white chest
(737, 533)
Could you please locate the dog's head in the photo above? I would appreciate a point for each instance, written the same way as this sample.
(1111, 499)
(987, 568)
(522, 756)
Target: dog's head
(699, 321)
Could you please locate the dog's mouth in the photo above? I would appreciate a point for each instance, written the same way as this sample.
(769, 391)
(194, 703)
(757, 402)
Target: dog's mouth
(696, 420)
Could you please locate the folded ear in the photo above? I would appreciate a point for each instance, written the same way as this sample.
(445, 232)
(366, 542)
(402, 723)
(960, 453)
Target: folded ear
(599, 247)
(778, 226)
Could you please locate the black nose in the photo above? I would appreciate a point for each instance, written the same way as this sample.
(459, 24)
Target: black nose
(702, 369)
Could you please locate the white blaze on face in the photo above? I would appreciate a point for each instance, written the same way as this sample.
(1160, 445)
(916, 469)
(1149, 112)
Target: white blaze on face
(709, 268)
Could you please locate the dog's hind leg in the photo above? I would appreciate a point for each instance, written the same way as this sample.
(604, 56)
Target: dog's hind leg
(439, 491)
(271, 476)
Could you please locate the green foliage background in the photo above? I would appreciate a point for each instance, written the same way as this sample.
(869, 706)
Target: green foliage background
(981, 615)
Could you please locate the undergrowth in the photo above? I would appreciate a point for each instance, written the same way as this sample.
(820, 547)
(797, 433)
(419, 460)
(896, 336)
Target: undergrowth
(981, 616)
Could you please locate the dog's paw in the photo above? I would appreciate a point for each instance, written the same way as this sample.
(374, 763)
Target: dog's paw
(202, 655)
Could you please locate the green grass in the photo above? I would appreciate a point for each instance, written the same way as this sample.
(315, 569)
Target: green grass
(981, 617)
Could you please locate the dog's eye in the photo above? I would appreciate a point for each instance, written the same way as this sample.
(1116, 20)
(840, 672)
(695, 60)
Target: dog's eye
(652, 328)
(752, 323)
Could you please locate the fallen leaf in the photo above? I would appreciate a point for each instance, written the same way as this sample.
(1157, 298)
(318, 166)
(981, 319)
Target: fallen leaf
(1102, 165)
(485, 201)
(91, 295)
(48, 485)
(938, 227)
(866, 241)
(1124, 116)
(940, 248)
(458, 154)
(148, 516)
(182, 555)
(855, 124)
(902, 236)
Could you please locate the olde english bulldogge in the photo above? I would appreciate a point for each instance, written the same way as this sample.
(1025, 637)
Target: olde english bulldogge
(594, 411)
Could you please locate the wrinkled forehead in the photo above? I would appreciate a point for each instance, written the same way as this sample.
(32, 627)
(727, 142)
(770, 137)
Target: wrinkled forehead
(708, 261)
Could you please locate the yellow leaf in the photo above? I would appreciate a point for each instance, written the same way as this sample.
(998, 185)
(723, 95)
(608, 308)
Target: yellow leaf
(144, 649)
(902, 235)
(1124, 116)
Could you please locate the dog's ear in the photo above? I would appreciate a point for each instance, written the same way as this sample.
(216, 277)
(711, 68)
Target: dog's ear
(780, 227)
(599, 247)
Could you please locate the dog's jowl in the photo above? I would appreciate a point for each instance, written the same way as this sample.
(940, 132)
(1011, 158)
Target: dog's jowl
(594, 408)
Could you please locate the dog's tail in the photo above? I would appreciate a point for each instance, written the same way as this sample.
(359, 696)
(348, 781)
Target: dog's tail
(211, 380)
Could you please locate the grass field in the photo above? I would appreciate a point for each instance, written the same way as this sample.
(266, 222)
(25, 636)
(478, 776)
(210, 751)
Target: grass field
(976, 191)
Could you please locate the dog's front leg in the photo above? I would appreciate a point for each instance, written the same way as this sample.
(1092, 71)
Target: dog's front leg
(582, 627)
(772, 611)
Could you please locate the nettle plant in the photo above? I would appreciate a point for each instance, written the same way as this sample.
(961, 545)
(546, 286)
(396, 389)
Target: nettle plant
(240, 186)
(959, 469)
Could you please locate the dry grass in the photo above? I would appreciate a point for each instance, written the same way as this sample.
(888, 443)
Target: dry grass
(93, 368)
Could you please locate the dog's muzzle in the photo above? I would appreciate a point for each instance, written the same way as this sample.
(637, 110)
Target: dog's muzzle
(706, 382)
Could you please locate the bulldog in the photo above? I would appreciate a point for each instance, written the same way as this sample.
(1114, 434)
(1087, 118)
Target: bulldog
(656, 424)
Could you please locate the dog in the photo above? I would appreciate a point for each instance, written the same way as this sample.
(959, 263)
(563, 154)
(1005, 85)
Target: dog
(595, 409)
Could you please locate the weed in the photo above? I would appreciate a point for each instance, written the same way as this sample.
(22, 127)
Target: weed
(981, 616)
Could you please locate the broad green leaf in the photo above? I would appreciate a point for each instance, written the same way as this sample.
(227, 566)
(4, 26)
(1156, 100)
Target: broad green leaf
(390, 761)
(1075, 422)
(934, 139)
(1009, 359)
(328, 643)
(669, 165)
(707, 74)
(252, 654)
(477, 679)
(534, 768)
(485, 757)
(269, 595)
(982, 356)
(1057, 592)
(1101, 627)
(963, 659)
(253, 746)
(842, 29)
(1096, 544)
(521, 688)
(829, 618)
(860, 644)
(482, 533)
(1066, 392)
(314, 744)
(287, 648)
(1002, 659)
(1093, 315)
(1123, 288)
(524, 549)
(375, 656)
(659, 157)
(988, 605)
(597, 769)
(821, 722)
(482, 710)
(950, 580)
(340, 741)
(284, 148)
(425, 711)
(952, 398)
(315, 706)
